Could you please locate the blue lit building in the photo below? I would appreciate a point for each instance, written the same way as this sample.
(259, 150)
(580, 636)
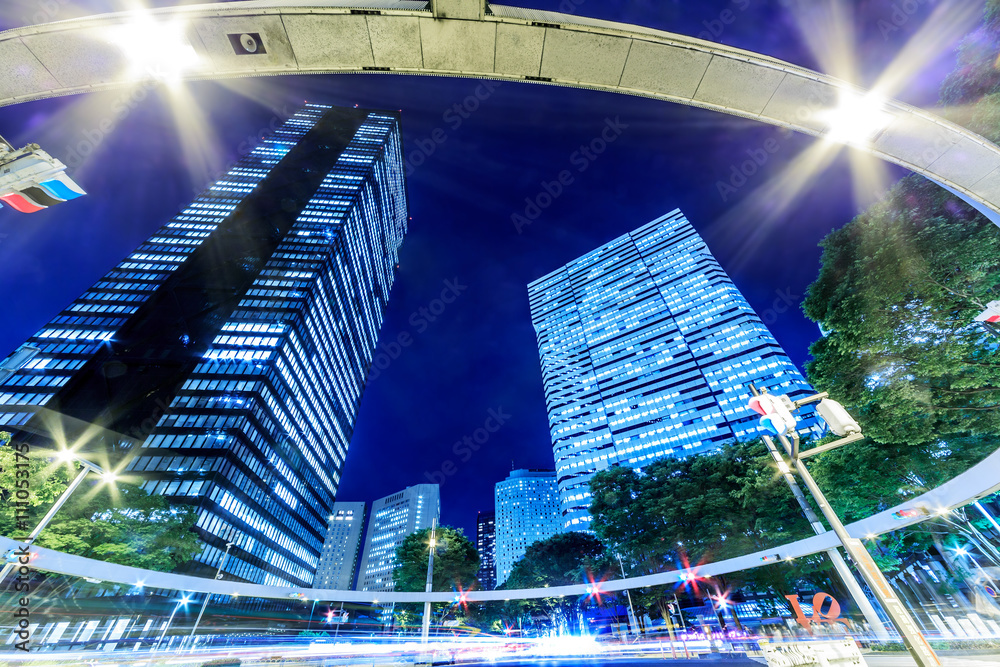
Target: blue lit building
(526, 505)
(342, 547)
(222, 362)
(392, 519)
(647, 350)
(486, 546)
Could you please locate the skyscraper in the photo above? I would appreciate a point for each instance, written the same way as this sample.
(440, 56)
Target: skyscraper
(486, 543)
(647, 350)
(339, 559)
(226, 357)
(527, 510)
(392, 519)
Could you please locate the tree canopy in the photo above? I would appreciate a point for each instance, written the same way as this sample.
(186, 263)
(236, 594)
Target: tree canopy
(561, 560)
(677, 512)
(120, 523)
(897, 293)
(456, 561)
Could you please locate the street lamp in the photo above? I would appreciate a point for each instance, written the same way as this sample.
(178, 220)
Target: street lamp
(628, 594)
(425, 628)
(777, 416)
(87, 466)
(182, 602)
(208, 596)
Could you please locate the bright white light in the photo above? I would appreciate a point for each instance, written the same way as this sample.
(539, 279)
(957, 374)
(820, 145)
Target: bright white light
(155, 50)
(783, 467)
(109, 477)
(65, 456)
(962, 551)
(184, 600)
(857, 118)
(139, 584)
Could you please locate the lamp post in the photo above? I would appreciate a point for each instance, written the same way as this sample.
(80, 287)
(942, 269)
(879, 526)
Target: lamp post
(208, 596)
(183, 601)
(628, 594)
(777, 416)
(77, 481)
(426, 625)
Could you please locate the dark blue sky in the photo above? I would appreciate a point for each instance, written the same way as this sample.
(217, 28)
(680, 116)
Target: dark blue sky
(480, 353)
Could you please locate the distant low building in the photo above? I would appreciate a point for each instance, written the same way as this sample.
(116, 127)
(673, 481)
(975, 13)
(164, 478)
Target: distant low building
(339, 559)
(392, 519)
(527, 510)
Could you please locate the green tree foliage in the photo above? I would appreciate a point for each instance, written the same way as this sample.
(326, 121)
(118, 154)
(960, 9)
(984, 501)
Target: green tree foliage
(456, 561)
(898, 290)
(120, 524)
(718, 505)
(561, 560)
(677, 513)
(971, 93)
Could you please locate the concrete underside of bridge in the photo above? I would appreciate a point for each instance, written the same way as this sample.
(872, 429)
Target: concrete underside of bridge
(469, 38)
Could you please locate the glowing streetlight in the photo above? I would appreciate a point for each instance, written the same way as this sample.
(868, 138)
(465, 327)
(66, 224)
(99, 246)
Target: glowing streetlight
(155, 49)
(856, 119)
(63, 456)
(180, 603)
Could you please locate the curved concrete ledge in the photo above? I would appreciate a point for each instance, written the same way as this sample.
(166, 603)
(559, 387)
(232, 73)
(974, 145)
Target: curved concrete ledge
(979, 481)
(466, 38)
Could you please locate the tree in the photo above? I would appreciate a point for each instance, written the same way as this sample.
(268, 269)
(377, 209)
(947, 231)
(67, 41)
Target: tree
(561, 560)
(119, 524)
(676, 513)
(898, 290)
(456, 561)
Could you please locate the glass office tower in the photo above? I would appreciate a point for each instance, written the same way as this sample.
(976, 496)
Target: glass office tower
(342, 547)
(647, 350)
(486, 545)
(226, 357)
(393, 518)
(527, 511)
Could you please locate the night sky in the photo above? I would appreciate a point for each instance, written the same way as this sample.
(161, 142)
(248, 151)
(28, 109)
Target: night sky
(480, 353)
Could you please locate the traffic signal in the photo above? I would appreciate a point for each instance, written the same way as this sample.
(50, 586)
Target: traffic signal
(992, 313)
(31, 179)
(836, 417)
(775, 411)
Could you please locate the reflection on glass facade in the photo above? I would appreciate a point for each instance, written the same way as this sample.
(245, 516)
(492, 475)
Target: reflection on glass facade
(486, 545)
(647, 350)
(392, 519)
(527, 510)
(229, 352)
(341, 548)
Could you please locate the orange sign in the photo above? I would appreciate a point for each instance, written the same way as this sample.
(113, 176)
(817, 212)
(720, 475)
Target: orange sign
(832, 615)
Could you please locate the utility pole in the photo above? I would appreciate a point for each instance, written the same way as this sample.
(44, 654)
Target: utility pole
(777, 416)
(426, 629)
